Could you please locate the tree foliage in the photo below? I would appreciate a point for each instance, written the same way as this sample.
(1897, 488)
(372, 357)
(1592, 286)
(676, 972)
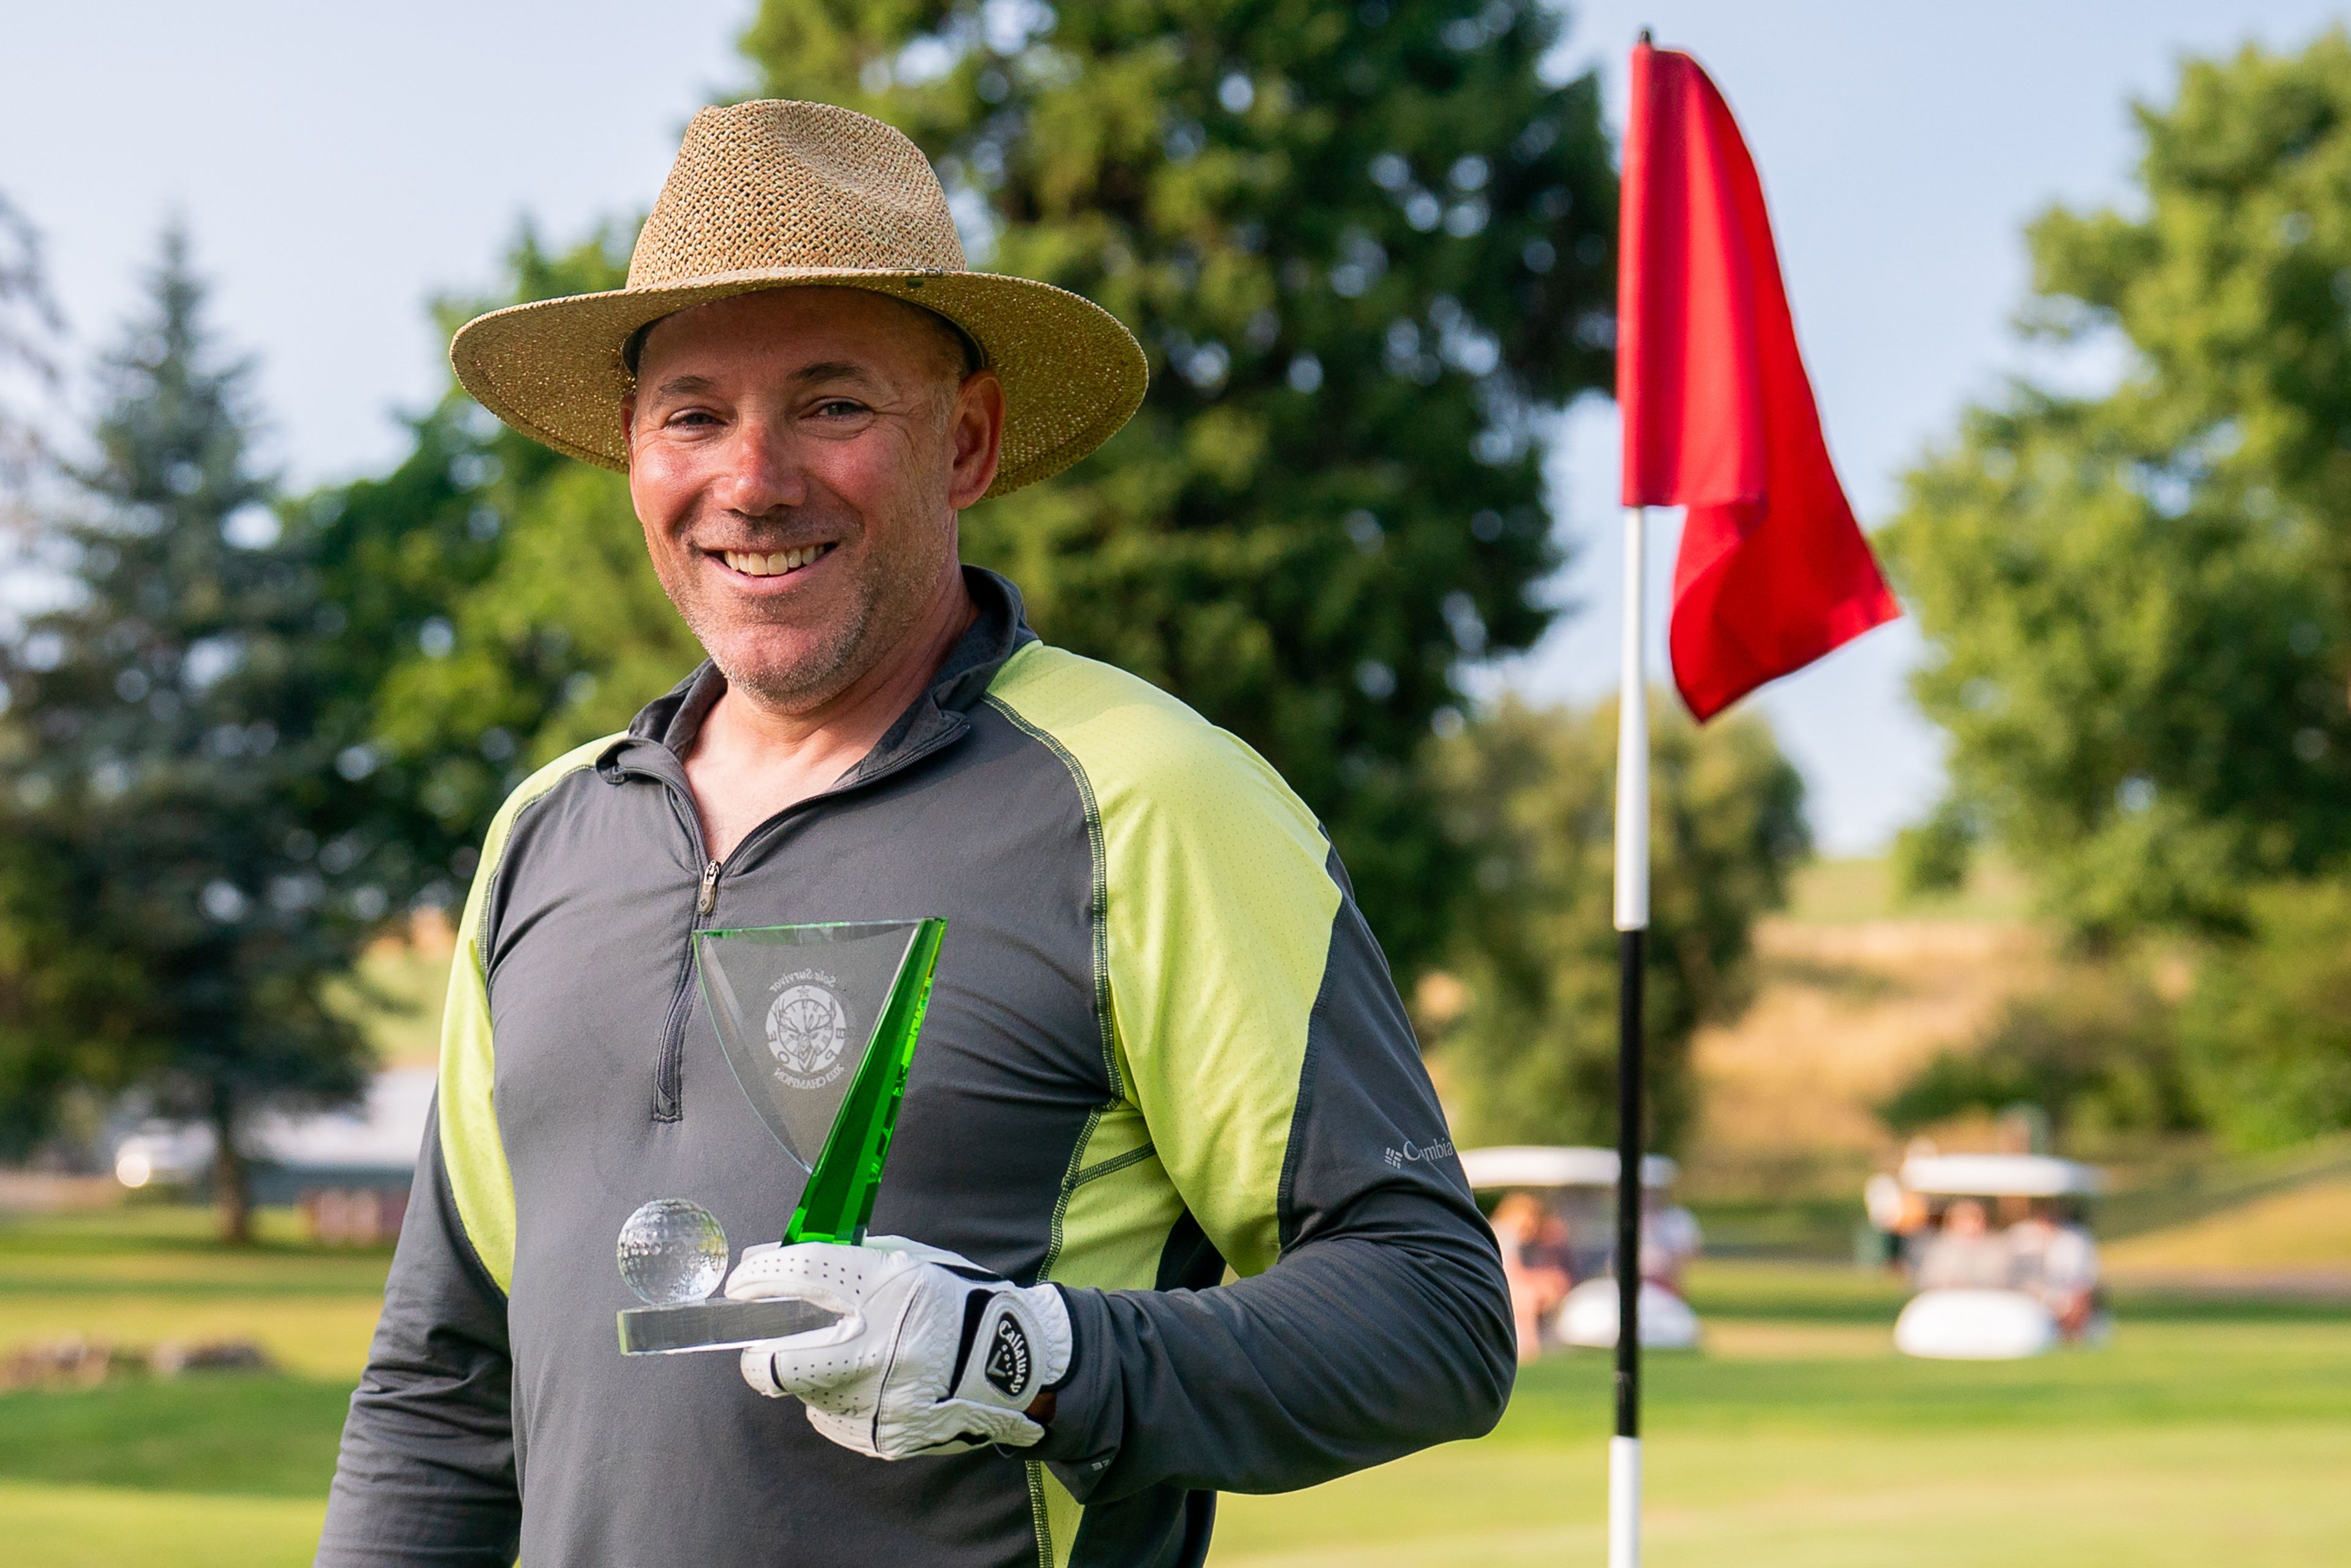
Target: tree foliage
(1530, 796)
(188, 868)
(2096, 1051)
(2267, 1034)
(1364, 247)
(506, 589)
(2140, 603)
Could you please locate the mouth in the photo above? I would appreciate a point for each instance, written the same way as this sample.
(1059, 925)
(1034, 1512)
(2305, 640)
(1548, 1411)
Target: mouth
(767, 565)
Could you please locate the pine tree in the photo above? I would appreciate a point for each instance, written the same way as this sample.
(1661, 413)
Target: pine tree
(28, 327)
(190, 867)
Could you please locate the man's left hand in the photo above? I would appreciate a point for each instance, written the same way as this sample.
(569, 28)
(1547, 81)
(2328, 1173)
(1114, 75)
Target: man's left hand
(933, 1354)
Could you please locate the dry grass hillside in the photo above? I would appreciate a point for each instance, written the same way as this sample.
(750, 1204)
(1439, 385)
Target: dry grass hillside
(1854, 991)
(2298, 1236)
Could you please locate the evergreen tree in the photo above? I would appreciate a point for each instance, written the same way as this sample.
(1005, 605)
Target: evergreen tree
(189, 868)
(1366, 247)
(28, 326)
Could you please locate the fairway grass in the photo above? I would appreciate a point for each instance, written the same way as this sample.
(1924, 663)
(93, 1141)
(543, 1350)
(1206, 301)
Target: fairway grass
(2208, 1431)
(76, 1527)
(2248, 1496)
(138, 1277)
(2186, 1442)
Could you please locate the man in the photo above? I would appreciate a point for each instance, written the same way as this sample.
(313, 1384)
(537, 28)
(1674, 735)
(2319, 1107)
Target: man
(1161, 1044)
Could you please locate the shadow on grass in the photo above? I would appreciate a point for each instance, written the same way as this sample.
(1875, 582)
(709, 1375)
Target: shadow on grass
(2161, 1306)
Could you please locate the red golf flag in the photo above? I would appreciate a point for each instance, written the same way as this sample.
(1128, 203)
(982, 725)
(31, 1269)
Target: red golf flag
(1718, 414)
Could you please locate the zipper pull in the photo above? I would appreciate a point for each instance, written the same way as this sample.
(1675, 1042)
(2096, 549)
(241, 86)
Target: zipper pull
(709, 899)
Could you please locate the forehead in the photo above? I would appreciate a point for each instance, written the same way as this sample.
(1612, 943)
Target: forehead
(777, 330)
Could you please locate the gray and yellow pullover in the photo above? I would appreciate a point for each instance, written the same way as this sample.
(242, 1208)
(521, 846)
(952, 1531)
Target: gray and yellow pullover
(1161, 1043)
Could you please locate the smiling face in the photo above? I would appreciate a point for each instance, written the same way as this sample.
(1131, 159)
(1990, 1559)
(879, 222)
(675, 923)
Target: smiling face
(798, 457)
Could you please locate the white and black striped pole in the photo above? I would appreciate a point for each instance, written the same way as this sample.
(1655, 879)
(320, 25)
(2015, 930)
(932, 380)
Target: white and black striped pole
(1631, 928)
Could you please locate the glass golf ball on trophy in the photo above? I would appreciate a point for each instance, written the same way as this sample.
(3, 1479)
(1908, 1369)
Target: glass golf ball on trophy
(819, 1023)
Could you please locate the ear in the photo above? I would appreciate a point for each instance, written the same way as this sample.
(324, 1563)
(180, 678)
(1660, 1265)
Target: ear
(628, 425)
(977, 429)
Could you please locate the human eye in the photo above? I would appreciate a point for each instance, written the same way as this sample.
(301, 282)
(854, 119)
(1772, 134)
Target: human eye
(838, 416)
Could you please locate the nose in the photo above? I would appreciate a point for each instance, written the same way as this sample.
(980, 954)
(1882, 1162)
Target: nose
(760, 470)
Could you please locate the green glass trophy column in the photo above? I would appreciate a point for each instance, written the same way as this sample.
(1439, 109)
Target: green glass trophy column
(819, 1023)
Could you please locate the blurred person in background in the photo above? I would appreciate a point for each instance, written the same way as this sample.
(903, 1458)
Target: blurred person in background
(1534, 1242)
(1669, 1239)
(1964, 1254)
(1898, 1218)
(2054, 1259)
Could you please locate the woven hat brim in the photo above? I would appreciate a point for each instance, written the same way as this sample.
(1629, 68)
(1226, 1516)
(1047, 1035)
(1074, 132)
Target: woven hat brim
(1072, 374)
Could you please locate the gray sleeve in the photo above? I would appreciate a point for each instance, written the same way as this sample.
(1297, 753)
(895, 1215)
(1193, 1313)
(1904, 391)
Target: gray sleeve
(1384, 1326)
(427, 1474)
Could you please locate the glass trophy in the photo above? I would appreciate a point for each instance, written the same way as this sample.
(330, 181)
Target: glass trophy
(819, 1023)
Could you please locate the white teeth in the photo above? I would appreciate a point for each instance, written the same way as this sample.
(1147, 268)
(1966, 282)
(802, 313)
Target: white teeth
(752, 564)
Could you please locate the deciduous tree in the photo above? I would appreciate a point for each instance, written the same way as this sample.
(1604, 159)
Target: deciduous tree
(500, 608)
(1528, 1053)
(2140, 603)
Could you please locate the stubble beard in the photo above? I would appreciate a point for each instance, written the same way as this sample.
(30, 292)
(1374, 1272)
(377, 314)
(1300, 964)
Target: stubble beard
(825, 661)
(883, 608)
(821, 672)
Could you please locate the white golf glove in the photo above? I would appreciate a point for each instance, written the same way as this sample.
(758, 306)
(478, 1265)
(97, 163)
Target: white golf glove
(933, 1354)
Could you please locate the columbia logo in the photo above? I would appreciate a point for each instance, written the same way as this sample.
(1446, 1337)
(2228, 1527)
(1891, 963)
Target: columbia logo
(1412, 1154)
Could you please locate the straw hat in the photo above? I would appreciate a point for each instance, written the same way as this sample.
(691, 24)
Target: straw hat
(775, 195)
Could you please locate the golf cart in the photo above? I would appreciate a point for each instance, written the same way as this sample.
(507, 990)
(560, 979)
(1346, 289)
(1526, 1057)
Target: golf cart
(1987, 1295)
(1575, 1188)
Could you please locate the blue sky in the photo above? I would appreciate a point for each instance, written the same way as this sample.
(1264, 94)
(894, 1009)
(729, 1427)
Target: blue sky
(340, 164)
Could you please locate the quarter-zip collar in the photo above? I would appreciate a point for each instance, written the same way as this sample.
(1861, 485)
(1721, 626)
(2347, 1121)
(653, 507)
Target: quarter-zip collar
(654, 747)
(664, 728)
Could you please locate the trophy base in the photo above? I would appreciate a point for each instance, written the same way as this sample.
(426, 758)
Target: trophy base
(716, 1325)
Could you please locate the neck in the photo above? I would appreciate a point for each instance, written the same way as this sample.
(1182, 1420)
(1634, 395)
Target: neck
(751, 760)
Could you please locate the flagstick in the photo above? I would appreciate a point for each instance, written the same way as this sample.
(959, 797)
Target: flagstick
(1632, 926)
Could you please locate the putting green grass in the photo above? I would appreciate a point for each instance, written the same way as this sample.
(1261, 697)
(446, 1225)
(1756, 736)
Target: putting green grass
(73, 1527)
(2208, 1431)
